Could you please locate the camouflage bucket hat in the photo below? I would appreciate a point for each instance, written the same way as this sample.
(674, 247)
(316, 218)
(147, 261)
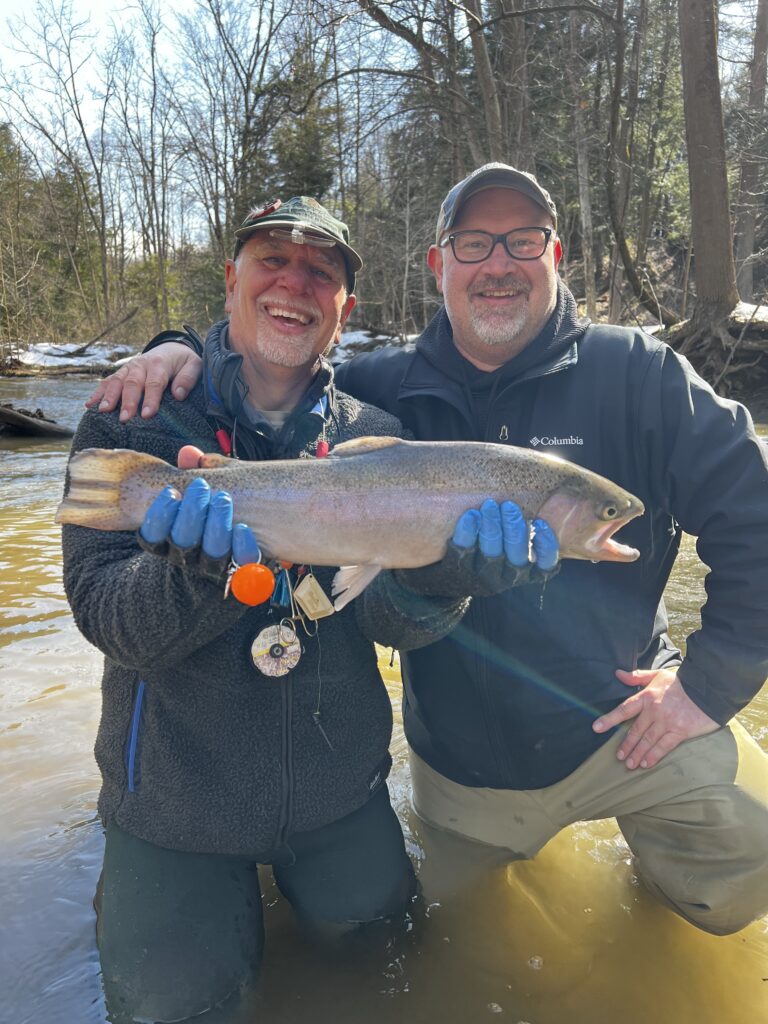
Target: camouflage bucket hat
(305, 219)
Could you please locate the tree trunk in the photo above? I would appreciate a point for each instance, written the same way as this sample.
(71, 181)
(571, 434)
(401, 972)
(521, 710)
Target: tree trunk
(625, 156)
(512, 75)
(659, 89)
(579, 103)
(485, 80)
(643, 292)
(714, 270)
(749, 200)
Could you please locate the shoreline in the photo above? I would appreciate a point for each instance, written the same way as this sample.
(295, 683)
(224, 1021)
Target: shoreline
(756, 401)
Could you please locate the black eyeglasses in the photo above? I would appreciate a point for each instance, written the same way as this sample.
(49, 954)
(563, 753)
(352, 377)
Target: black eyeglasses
(520, 244)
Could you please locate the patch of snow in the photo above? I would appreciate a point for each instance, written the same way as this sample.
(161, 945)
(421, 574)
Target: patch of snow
(47, 354)
(353, 342)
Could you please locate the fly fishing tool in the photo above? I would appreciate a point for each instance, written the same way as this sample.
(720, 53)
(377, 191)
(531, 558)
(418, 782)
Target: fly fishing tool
(277, 649)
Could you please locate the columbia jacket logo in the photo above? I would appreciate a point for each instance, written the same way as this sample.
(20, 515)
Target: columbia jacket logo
(554, 441)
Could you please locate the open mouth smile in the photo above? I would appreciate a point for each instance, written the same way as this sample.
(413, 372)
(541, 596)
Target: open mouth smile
(498, 293)
(285, 314)
(501, 290)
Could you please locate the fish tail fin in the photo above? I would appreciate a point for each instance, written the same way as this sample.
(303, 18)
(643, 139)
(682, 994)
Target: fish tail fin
(95, 496)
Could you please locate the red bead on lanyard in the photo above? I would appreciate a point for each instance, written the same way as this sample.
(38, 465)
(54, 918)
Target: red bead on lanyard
(225, 441)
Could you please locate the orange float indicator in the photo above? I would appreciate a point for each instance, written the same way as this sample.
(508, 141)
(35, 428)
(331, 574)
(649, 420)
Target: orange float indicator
(252, 584)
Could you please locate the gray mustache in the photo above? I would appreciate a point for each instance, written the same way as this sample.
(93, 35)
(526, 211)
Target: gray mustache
(493, 283)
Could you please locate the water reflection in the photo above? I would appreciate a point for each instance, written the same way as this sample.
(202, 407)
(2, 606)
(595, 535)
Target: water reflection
(569, 936)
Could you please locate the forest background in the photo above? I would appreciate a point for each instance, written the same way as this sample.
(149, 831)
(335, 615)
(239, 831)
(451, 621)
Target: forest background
(129, 154)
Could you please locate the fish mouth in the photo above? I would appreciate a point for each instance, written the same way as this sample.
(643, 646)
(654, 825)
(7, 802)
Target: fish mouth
(606, 549)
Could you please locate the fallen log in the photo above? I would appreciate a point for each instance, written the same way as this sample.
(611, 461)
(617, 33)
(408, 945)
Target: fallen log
(26, 423)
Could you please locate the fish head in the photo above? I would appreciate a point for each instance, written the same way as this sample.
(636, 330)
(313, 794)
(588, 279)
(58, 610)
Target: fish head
(586, 513)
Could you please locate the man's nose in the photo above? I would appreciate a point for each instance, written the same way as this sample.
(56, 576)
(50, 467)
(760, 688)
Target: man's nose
(499, 255)
(295, 275)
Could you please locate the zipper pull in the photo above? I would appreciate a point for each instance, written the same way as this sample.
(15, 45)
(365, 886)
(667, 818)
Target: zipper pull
(319, 724)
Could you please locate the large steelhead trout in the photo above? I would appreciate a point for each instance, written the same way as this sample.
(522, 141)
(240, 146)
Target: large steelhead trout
(374, 503)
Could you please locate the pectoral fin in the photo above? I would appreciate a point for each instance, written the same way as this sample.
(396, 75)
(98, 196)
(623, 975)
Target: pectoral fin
(350, 581)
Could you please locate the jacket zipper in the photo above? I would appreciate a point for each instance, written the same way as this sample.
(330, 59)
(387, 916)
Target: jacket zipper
(286, 764)
(494, 730)
(491, 716)
(133, 739)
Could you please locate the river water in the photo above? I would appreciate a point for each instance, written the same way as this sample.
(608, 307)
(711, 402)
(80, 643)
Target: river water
(567, 937)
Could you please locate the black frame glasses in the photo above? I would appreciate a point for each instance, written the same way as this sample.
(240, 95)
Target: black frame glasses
(507, 239)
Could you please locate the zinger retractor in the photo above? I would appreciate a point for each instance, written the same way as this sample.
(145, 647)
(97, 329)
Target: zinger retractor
(276, 650)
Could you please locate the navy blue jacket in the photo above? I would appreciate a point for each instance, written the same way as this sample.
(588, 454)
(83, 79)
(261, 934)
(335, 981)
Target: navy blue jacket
(509, 698)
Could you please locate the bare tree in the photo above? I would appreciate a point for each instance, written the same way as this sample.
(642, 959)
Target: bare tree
(228, 103)
(54, 97)
(716, 292)
(750, 199)
(146, 121)
(578, 104)
(512, 73)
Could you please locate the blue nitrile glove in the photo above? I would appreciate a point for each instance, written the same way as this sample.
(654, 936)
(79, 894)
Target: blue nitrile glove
(502, 528)
(488, 553)
(196, 531)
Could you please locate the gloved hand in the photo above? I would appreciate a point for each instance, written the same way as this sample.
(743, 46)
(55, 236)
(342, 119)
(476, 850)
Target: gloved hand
(196, 531)
(488, 553)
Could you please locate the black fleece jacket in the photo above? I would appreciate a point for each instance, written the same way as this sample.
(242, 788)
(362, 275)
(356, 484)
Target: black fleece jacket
(199, 750)
(508, 699)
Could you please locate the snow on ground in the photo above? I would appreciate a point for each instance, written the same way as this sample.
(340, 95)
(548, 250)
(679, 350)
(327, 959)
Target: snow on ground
(353, 342)
(107, 356)
(46, 354)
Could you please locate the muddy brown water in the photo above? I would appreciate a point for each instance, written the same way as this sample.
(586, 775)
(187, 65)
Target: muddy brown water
(569, 936)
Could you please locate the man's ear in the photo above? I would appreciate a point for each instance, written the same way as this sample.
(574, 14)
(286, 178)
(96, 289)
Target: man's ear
(435, 264)
(230, 277)
(558, 252)
(346, 309)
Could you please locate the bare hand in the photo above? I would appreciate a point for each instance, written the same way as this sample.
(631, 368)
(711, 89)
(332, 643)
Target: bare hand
(148, 374)
(664, 716)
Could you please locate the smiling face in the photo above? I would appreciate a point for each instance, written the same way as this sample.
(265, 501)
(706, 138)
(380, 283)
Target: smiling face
(287, 302)
(497, 307)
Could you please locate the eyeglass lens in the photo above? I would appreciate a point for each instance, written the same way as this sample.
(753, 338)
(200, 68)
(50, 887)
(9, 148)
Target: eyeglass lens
(520, 244)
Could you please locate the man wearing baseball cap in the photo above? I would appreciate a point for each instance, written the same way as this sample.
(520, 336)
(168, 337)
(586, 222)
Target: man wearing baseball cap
(232, 733)
(570, 702)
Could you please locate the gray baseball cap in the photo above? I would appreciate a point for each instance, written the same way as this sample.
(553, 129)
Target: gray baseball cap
(494, 175)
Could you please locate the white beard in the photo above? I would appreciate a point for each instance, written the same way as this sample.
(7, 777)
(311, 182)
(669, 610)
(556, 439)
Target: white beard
(279, 353)
(498, 330)
(491, 327)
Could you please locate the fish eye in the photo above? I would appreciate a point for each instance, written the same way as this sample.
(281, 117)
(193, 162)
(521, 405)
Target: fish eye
(609, 511)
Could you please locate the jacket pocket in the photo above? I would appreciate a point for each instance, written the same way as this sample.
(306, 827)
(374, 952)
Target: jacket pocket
(133, 738)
